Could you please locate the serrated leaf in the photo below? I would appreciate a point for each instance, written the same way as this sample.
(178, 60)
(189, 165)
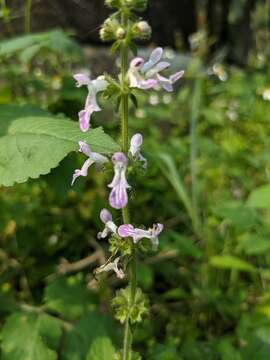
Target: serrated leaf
(68, 297)
(101, 349)
(24, 337)
(260, 197)
(32, 146)
(231, 262)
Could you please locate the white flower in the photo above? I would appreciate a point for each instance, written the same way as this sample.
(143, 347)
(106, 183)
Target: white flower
(112, 266)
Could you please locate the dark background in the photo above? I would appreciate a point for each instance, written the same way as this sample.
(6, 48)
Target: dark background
(172, 21)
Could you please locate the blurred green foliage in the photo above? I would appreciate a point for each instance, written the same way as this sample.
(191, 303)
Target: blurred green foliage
(208, 284)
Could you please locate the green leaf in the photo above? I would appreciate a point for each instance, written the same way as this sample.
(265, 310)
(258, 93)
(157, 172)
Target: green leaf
(231, 262)
(55, 40)
(26, 337)
(253, 244)
(258, 345)
(164, 352)
(28, 53)
(240, 215)
(115, 46)
(134, 100)
(10, 46)
(32, 146)
(101, 349)
(79, 340)
(183, 244)
(68, 297)
(227, 351)
(260, 197)
(9, 112)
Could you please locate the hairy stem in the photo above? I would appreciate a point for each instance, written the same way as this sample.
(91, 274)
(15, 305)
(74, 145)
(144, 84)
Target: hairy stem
(127, 344)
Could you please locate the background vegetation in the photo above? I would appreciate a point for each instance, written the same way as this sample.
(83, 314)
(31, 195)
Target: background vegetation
(208, 182)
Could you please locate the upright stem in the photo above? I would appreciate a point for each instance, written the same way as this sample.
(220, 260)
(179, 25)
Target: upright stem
(27, 16)
(127, 344)
(195, 108)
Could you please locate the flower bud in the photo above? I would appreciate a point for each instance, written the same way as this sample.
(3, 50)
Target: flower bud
(109, 29)
(142, 30)
(120, 33)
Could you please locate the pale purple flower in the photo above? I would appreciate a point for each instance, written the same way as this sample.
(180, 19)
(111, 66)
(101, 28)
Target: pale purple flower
(136, 79)
(146, 75)
(118, 197)
(135, 148)
(154, 65)
(138, 234)
(112, 266)
(93, 157)
(110, 227)
(91, 105)
(167, 83)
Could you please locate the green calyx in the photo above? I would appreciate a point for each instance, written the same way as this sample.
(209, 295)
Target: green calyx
(125, 309)
(121, 245)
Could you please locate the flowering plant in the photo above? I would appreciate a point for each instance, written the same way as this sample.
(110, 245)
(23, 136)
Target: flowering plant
(124, 27)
